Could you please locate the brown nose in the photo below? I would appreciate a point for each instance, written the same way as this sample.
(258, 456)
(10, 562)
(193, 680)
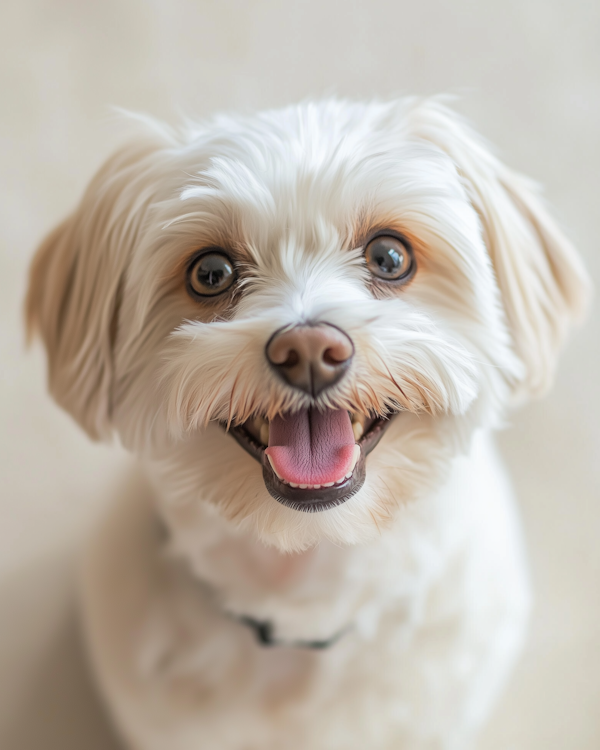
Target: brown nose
(310, 357)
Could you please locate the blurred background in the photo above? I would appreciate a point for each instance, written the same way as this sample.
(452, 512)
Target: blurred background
(527, 73)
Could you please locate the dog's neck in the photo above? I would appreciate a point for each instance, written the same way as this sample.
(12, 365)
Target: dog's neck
(289, 599)
(277, 572)
(311, 597)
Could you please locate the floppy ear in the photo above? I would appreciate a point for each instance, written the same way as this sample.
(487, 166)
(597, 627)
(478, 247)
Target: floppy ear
(75, 284)
(543, 283)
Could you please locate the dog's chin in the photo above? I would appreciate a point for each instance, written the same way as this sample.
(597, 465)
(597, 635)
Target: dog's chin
(252, 435)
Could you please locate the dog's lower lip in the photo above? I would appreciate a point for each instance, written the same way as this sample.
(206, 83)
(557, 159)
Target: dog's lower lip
(312, 500)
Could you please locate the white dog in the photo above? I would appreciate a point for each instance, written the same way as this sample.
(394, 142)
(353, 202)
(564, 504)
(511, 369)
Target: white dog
(307, 324)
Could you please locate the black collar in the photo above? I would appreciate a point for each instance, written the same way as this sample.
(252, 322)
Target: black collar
(264, 632)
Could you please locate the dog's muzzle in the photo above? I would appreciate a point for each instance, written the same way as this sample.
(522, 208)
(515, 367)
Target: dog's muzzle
(314, 458)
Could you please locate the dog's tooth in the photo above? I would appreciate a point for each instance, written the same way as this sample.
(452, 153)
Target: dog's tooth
(275, 470)
(303, 486)
(316, 486)
(358, 430)
(339, 481)
(264, 433)
(355, 457)
(328, 484)
(293, 484)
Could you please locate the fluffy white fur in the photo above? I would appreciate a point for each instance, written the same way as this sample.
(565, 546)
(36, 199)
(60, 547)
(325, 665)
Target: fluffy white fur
(424, 566)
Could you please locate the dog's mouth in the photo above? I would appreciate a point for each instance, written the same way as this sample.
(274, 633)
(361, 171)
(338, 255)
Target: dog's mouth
(312, 459)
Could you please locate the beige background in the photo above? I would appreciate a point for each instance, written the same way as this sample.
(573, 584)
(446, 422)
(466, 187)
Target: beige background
(528, 73)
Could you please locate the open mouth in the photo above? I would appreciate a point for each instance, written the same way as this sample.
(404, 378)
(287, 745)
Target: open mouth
(312, 459)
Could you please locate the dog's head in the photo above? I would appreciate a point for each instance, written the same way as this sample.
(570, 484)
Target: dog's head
(249, 301)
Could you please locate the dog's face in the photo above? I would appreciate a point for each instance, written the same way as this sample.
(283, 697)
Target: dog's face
(249, 302)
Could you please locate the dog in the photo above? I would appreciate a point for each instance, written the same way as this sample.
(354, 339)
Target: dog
(306, 323)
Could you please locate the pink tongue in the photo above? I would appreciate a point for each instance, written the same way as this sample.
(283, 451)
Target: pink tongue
(311, 447)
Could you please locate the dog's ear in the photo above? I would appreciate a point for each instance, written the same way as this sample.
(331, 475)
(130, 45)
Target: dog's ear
(543, 283)
(75, 284)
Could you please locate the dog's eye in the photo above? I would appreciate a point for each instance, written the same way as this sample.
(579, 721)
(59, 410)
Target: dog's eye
(389, 258)
(210, 274)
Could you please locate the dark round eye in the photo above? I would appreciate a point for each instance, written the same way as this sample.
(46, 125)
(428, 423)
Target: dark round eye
(389, 258)
(210, 274)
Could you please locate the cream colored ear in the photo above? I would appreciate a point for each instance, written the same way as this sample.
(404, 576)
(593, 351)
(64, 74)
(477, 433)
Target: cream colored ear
(543, 283)
(75, 285)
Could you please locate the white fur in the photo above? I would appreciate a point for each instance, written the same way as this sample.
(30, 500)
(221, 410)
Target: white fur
(424, 566)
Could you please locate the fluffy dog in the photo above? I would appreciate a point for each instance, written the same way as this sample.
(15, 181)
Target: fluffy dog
(306, 323)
